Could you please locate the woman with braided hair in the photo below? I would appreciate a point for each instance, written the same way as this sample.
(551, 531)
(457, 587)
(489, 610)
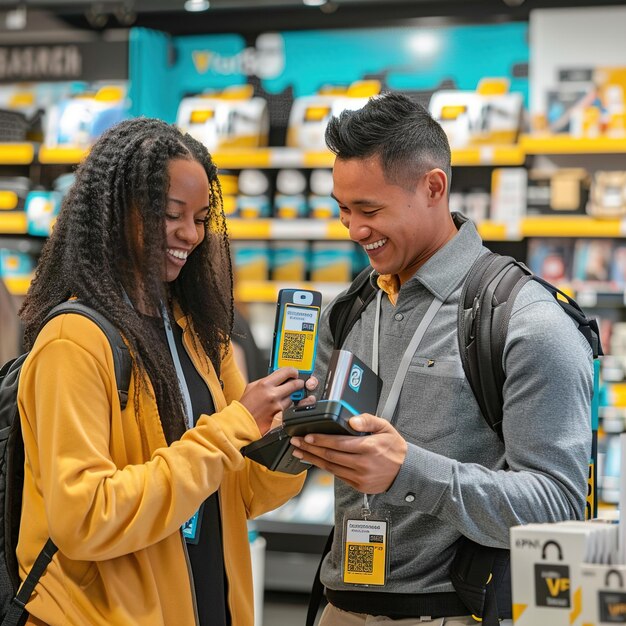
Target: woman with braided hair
(142, 239)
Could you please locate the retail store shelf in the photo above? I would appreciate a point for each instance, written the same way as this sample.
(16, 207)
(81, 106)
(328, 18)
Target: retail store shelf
(295, 157)
(286, 229)
(267, 291)
(16, 153)
(532, 144)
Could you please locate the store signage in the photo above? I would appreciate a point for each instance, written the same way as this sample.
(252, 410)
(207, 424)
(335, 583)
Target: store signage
(265, 60)
(61, 62)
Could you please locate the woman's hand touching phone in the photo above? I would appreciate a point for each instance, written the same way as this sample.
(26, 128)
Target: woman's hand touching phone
(268, 396)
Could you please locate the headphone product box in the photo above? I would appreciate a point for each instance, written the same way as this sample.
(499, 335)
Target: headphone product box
(604, 594)
(546, 569)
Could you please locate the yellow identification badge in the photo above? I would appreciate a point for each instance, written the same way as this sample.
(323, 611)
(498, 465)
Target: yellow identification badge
(365, 552)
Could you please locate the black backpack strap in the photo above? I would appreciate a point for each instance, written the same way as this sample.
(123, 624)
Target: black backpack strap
(348, 308)
(485, 307)
(16, 613)
(317, 590)
(586, 325)
(121, 356)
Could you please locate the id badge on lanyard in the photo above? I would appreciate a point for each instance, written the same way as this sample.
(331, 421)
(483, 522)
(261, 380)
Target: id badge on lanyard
(365, 550)
(191, 528)
(366, 534)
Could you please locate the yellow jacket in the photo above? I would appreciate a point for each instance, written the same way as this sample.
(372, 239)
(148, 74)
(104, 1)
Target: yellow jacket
(112, 495)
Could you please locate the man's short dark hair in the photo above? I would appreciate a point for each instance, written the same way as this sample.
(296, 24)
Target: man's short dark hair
(393, 127)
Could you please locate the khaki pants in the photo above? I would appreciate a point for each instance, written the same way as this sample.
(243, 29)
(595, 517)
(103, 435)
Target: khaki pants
(332, 616)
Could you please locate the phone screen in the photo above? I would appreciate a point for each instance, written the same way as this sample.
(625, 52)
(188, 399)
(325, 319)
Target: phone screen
(296, 339)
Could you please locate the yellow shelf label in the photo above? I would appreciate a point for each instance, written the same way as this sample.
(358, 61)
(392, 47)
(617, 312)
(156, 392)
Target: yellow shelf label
(13, 223)
(49, 156)
(16, 153)
(489, 154)
(239, 159)
(8, 200)
(18, 286)
(324, 159)
(493, 231)
(249, 229)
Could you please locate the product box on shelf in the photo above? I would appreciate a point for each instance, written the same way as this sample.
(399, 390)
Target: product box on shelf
(289, 260)
(592, 261)
(546, 579)
(491, 114)
(551, 259)
(290, 199)
(508, 193)
(604, 594)
(587, 102)
(42, 208)
(321, 204)
(608, 194)
(309, 115)
(558, 192)
(331, 261)
(232, 118)
(253, 200)
(15, 264)
(251, 260)
(77, 121)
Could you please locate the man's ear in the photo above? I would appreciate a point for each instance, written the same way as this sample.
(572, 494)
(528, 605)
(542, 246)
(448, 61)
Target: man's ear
(437, 184)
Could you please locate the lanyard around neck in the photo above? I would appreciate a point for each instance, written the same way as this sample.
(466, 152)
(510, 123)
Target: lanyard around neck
(182, 382)
(396, 388)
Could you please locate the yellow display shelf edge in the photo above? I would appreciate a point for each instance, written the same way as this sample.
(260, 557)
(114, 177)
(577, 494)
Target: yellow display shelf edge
(572, 145)
(297, 229)
(241, 159)
(16, 153)
(17, 286)
(574, 226)
(278, 157)
(61, 155)
(493, 231)
(13, 223)
(489, 155)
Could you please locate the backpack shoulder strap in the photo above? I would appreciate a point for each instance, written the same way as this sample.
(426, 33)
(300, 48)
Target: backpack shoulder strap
(485, 307)
(348, 308)
(121, 356)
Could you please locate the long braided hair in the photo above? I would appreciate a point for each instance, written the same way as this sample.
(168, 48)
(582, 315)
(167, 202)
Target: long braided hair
(109, 243)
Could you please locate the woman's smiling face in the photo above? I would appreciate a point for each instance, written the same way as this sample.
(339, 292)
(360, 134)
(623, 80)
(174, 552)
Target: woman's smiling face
(186, 213)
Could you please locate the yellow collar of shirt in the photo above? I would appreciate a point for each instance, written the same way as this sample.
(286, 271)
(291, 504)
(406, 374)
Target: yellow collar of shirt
(390, 284)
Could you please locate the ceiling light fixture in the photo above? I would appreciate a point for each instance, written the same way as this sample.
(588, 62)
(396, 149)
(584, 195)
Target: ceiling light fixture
(314, 3)
(196, 5)
(16, 19)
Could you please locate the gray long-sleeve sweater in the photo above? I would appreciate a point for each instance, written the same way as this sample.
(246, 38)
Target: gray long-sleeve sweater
(453, 480)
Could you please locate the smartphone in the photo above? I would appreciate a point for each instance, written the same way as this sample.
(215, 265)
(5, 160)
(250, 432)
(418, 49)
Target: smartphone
(295, 333)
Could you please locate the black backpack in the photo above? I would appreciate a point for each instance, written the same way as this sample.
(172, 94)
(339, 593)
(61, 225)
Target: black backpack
(13, 596)
(485, 307)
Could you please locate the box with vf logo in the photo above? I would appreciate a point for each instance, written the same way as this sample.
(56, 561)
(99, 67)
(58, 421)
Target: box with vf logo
(604, 594)
(545, 573)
